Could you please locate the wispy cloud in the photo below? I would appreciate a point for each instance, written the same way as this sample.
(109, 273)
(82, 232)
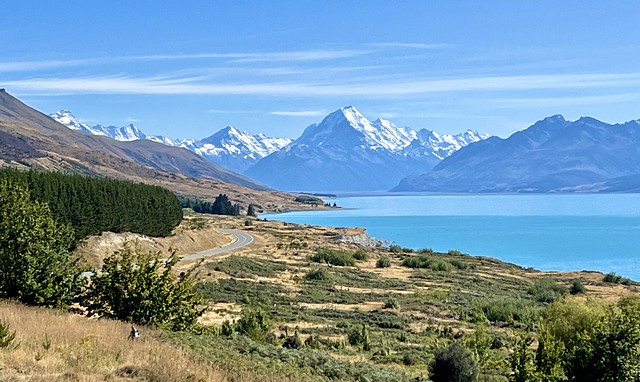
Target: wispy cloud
(410, 45)
(565, 101)
(302, 113)
(219, 111)
(334, 87)
(23, 66)
(234, 57)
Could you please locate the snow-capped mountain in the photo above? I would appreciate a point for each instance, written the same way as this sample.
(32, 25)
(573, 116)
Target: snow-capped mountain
(347, 152)
(429, 142)
(550, 156)
(124, 133)
(234, 149)
(230, 148)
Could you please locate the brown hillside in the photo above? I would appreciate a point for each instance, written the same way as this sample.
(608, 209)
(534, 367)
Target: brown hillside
(31, 139)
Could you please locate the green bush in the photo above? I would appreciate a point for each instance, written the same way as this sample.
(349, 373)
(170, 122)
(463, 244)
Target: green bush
(577, 287)
(454, 363)
(383, 262)
(140, 287)
(546, 290)
(395, 248)
(430, 262)
(458, 264)
(333, 257)
(510, 310)
(359, 337)
(613, 278)
(253, 324)
(391, 303)
(6, 336)
(292, 342)
(360, 254)
(318, 274)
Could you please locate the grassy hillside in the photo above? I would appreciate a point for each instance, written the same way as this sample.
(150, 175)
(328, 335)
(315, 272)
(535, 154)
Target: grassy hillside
(297, 315)
(411, 308)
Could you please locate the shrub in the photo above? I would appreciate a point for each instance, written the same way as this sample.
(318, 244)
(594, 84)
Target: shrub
(227, 328)
(360, 254)
(577, 287)
(137, 286)
(409, 359)
(395, 248)
(318, 274)
(383, 262)
(509, 310)
(253, 324)
(359, 337)
(454, 364)
(458, 264)
(391, 303)
(613, 278)
(546, 290)
(333, 257)
(430, 262)
(6, 336)
(292, 342)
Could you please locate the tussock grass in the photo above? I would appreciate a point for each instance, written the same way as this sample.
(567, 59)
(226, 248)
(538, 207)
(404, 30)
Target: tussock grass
(58, 346)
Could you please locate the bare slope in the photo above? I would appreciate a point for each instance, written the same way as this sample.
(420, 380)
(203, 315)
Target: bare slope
(55, 146)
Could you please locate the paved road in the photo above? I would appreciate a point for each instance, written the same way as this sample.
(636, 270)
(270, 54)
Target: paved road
(242, 239)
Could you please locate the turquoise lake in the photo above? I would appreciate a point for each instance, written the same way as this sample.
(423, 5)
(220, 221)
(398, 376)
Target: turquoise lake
(554, 232)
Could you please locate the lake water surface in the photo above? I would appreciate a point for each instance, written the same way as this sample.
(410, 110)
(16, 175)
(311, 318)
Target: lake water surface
(548, 232)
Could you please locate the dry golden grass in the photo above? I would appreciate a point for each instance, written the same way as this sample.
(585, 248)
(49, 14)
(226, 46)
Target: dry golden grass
(85, 350)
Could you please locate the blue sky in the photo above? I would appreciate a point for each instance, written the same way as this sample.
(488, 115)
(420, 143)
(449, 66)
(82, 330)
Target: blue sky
(187, 69)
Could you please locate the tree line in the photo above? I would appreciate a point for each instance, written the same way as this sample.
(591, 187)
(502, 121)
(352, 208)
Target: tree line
(220, 206)
(37, 268)
(93, 205)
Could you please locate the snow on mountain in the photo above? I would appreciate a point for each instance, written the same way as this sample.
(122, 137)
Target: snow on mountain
(234, 149)
(124, 133)
(552, 155)
(228, 147)
(347, 152)
(66, 118)
(429, 142)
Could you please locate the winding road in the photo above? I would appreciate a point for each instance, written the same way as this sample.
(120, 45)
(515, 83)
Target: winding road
(242, 239)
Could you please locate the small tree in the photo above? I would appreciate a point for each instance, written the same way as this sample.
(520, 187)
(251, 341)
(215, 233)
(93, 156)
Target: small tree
(253, 324)
(6, 336)
(251, 210)
(35, 264)
(454, 364)
(140, 287)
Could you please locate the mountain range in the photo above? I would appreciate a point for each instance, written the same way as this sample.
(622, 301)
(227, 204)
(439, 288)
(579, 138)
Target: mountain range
(345, 152)
(553, 155)
(30, 139)
(230, 148)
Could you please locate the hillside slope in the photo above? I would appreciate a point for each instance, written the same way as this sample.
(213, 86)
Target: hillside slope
(45, 143)
(550, 156)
